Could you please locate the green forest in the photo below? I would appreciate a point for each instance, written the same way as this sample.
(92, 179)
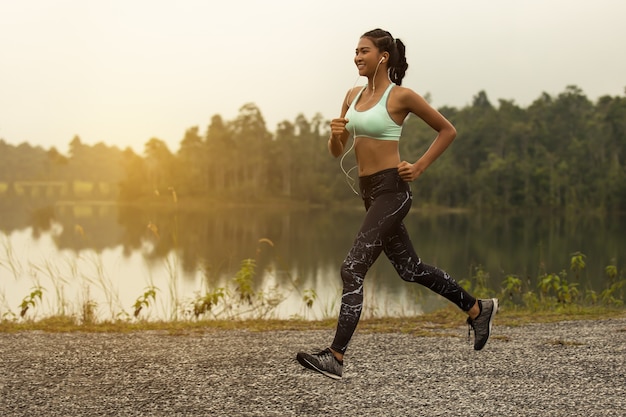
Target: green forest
(560, 152)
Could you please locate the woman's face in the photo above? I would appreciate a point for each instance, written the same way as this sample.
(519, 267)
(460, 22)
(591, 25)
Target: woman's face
(367, 57)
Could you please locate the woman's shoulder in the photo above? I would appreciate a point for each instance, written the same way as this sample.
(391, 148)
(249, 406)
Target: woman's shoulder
(403, 92)
(405, 100)
(405, 96)
(355, 90)
(352, 93)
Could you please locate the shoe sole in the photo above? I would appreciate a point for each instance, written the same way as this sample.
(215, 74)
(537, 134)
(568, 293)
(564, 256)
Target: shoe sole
(309, 365)
(494, 310)
(496, 307)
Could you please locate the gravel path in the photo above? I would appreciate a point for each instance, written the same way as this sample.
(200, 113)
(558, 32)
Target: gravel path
(562, 369)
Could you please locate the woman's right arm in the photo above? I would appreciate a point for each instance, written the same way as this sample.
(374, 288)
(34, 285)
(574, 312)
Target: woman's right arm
(338, 132)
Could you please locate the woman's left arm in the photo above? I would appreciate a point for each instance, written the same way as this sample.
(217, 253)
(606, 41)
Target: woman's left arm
(416, 104)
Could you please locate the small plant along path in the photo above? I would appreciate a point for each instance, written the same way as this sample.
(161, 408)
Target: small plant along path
(437, 323)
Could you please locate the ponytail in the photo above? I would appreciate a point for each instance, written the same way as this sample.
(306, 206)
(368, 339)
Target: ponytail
(397, 53)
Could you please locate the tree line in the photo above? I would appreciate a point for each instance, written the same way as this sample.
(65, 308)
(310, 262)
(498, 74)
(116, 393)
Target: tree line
(563, 152)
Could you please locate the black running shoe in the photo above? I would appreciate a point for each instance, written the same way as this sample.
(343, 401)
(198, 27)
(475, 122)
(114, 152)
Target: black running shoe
(323, 362)
(483, 323)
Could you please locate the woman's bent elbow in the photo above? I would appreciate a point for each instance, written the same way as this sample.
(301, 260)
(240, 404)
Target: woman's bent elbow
(452, 133)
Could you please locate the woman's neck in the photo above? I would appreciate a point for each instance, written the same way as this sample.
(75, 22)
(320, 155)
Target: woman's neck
(379, 81)
(377, 85)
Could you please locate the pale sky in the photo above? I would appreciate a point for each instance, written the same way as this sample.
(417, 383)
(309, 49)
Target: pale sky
(124, 71)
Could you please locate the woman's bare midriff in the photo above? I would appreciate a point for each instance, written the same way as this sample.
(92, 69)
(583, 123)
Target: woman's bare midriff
(374, 155)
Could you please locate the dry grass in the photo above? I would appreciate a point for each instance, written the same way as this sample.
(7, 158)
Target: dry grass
(438, 323)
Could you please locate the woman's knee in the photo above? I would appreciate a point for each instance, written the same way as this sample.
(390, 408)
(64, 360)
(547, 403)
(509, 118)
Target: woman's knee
(346, 274)
(349, 277)
(417, 271)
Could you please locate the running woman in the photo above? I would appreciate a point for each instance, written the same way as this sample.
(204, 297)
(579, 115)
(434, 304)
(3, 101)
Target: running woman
(373, 116)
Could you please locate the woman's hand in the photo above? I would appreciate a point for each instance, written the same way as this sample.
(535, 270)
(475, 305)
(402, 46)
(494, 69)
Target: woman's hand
(338, 136)
(409, 172)
(338, 127)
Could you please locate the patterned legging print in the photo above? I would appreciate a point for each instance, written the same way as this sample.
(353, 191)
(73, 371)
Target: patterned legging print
(387, 200)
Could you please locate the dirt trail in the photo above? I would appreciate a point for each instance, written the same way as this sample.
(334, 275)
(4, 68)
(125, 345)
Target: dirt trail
(561, 369)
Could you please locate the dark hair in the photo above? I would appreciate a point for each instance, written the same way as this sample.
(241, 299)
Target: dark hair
(397, 59)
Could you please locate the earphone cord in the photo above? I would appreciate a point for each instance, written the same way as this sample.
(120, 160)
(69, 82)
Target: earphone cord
(351, 181)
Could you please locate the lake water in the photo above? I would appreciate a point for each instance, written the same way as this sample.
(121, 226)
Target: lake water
(110, 255)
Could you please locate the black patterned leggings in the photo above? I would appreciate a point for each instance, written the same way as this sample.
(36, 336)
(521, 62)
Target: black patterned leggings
(387, 201)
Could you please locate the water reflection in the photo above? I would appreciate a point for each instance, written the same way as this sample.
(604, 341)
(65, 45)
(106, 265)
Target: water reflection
(88, 248)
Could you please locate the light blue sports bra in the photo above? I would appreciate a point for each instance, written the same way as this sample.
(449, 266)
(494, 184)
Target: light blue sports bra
(375, 122)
